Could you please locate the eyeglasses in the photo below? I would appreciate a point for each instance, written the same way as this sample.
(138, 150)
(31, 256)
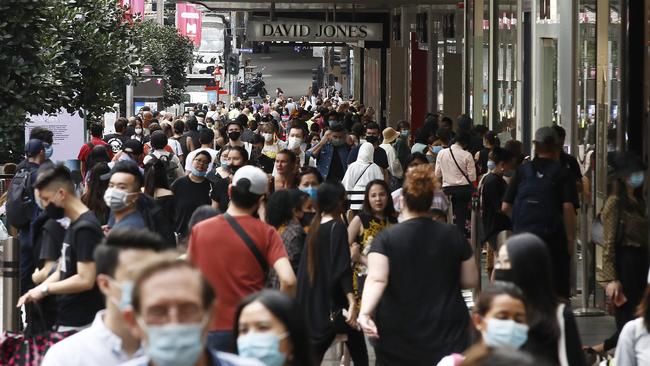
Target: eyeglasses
(181, 313)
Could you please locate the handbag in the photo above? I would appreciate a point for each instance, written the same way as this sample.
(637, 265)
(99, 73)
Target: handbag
(29, 348)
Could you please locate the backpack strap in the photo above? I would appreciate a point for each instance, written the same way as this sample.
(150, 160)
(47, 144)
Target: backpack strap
(248, 241)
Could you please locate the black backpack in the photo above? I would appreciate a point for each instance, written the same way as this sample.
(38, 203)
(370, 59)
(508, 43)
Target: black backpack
(536, 207)
(20, 200)
(171, 167)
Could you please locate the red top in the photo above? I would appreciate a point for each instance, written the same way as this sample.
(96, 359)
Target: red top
(85, 151)
(228, 264)
(146, 149)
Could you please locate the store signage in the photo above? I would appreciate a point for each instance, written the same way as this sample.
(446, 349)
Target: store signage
(310, 31)
(189, 21)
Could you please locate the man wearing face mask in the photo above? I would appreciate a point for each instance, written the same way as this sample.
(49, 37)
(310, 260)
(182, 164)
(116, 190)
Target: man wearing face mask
(109, 341)
(331, 154)
(122, 194)
(234, 131)
(172, 312)
(234, 252)
(74, 281)
(295, 141)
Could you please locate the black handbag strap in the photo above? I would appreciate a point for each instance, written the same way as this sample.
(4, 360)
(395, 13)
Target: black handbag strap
(458, 166)
(248, 241)
(361, 176)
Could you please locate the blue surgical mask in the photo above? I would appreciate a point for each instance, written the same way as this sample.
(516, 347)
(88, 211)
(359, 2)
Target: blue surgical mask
(405, 133)
(199, 173)
(436, 149)
(505, 333)
(264, 347)
(636, 179)
(174, 344)
(224, 165)
(126, 289)
(49, 150)
(311, 191)
(491, 165)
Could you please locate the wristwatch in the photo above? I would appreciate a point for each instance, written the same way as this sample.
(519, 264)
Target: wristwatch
(45, 290)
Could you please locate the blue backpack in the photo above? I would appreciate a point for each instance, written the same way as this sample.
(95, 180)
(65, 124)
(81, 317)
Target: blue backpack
(536, 208)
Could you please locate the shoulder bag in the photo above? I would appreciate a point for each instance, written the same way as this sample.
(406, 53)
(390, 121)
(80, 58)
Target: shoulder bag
(248, 241)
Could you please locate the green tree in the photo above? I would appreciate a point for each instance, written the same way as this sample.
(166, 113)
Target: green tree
(169, 54)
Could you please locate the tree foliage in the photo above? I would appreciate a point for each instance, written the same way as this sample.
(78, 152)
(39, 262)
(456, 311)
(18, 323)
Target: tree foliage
(77, 55)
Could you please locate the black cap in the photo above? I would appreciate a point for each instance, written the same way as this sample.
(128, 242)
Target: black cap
(33, 147)
(132, 146)
(547, 136)
(124, 166)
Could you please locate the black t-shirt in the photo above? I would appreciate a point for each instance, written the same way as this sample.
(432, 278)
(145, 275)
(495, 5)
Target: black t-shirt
(115, 140)
(79, 243)
(379, 157)
(194, 135)
(421, 316)
(492, 192)
(190, 195)
(336, 172)
(220, 192)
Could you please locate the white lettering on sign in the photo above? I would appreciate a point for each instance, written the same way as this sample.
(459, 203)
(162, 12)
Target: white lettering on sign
(313, 31)
(190, 28)
(190, 15)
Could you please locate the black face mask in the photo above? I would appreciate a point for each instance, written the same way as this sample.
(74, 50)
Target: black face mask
(372, 139)
(234, 168)
(54, 212)
(505, 275)
(307, 218)
(234, 135)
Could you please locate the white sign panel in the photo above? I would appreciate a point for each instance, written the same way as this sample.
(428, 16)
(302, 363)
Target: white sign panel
(68, 132)
(313, 31)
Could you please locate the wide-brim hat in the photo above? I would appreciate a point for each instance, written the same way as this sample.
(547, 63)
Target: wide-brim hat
(390, 135)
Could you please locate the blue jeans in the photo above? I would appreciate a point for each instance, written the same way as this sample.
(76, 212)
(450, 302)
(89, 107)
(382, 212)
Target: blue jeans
(221, 340)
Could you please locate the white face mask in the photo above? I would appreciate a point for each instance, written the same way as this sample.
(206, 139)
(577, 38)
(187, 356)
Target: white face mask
(267, 137)
(138, 131)
(293, 143)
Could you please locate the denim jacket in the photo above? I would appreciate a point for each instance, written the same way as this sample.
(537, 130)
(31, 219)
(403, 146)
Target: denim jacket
(324, 158)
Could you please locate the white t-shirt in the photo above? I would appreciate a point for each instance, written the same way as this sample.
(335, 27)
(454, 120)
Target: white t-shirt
(176, 147)
(190, 157)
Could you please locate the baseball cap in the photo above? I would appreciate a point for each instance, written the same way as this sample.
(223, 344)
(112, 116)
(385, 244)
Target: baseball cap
(33, 147)
(251, 178)
(123, 166)
(132, 146)
(546, 136)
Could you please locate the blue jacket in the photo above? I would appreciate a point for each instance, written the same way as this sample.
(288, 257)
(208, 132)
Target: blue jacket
(324, 158)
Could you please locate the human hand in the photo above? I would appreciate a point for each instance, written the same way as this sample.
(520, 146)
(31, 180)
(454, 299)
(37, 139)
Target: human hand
(351, 316)
(614, 291)
(328, 135)
(33, 295)
(368, 326)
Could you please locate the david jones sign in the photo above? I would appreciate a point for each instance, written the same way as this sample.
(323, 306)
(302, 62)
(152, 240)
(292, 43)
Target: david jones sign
(313, 31)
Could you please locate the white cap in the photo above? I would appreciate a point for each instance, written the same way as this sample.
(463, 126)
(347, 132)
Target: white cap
(252, 178)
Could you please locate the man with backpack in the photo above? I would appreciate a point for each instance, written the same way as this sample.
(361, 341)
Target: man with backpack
(540, 200)
(206, 138)
(173, 167)
(22, 209)
(96, 133)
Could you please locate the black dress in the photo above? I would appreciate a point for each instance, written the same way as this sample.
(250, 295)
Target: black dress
(327, 293)
(191, 196)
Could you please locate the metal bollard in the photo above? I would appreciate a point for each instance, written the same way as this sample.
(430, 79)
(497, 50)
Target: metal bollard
(10, 284)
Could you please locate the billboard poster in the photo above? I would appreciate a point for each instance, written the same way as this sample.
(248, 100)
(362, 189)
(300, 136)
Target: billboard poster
(136, 8)
(189, 21)
(68, 130)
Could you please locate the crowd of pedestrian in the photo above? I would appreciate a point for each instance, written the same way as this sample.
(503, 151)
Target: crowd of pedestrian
(264, 233)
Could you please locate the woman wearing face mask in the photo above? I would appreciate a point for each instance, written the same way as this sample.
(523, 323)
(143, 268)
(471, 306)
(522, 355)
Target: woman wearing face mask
(325, 278)
(139, 131)
(525, 261)
(237, 157)
(309, 179)
(492, 188)
(193, 189)
(376, 214)
(93, 196)
(270, 327)
(625, 228)
(500, 318)
(271, 142)
(490, 142)
(284, 212)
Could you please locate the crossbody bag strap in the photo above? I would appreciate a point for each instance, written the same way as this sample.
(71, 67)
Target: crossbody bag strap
(361, 176)
(458, 166)
(248, 241)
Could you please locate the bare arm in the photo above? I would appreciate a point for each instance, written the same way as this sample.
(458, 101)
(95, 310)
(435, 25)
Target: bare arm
(84, 280)
(41, 275)
(354, 230)
(376, 282)
(287, 278)
(468, 274)
(506, 208)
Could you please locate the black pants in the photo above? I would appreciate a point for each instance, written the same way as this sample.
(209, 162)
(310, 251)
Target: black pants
(461, 197)
(356, 344)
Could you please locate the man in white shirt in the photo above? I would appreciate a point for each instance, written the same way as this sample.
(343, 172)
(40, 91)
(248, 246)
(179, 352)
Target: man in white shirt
(206, 138)
(109, 341)
(456, 168)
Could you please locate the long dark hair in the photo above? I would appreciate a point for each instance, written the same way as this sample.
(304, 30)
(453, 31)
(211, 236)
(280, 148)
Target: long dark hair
(495, 289)
(330, 198)
(281, 205)
(643, 310)
(94, 196)
(531, 270)
(155, 176)
(290, 314)
(389, 210)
